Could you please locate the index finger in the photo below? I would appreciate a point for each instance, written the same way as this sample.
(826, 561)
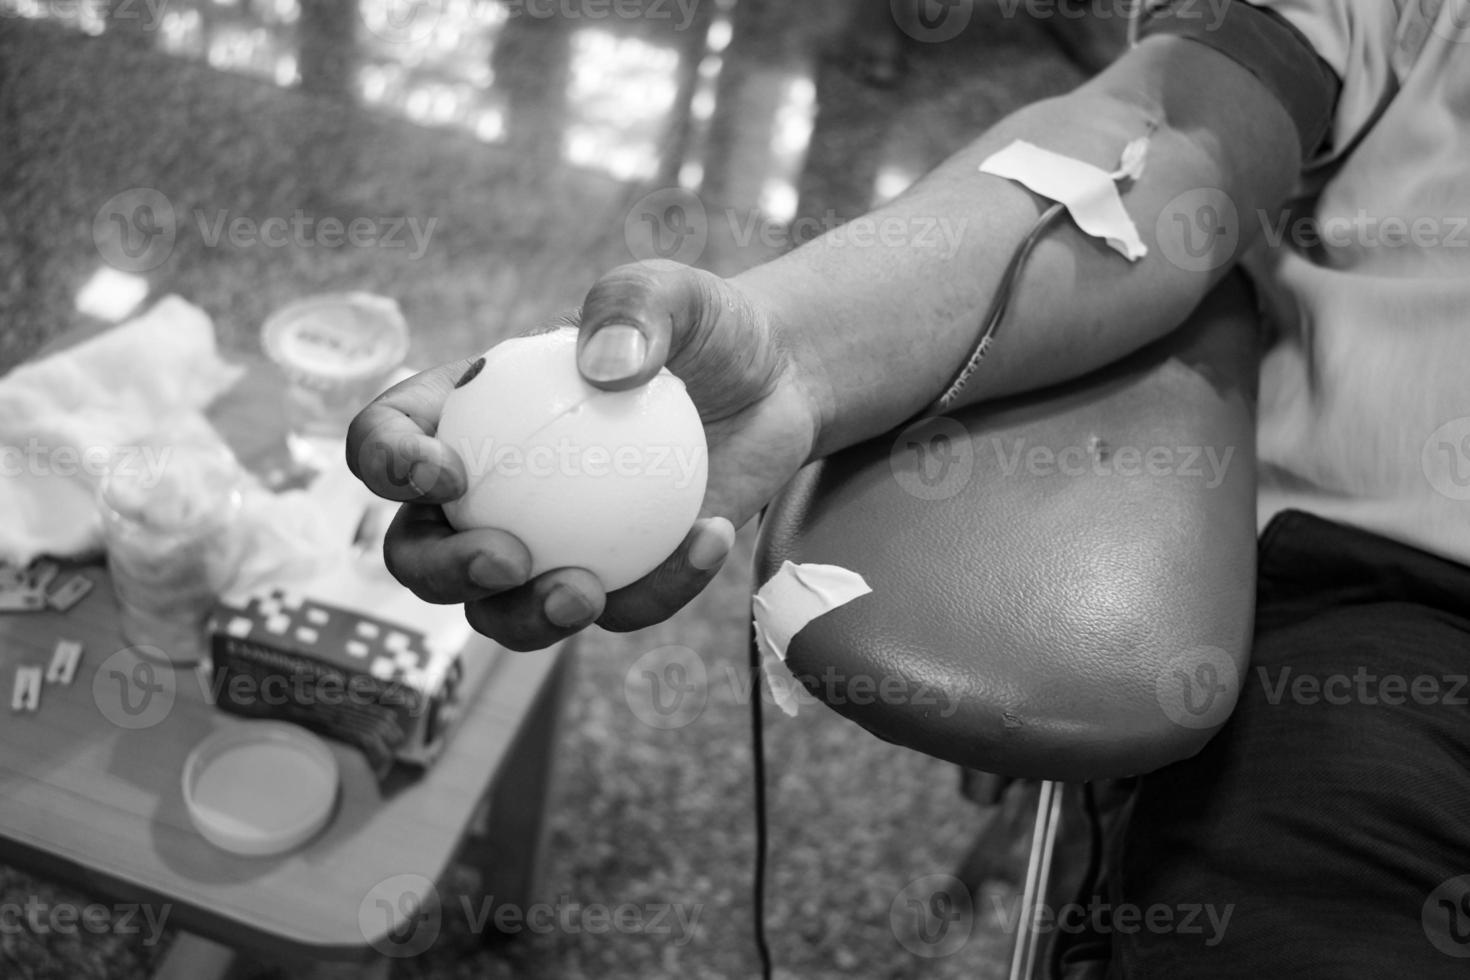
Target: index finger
(390, 444)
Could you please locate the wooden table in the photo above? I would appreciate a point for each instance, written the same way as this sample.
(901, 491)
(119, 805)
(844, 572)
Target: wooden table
(90, 790)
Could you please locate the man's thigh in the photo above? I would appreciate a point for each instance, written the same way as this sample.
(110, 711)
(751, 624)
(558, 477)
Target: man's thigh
(1321, 833)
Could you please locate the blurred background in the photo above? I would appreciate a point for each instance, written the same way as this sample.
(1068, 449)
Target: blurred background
(492, 158)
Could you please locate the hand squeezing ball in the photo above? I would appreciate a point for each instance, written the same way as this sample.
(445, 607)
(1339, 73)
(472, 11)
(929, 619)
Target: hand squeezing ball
(609, 481)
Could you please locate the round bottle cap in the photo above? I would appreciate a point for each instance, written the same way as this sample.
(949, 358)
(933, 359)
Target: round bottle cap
(260, 787)
(336, 339)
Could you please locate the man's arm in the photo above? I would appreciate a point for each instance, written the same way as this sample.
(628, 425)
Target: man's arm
(881, 330)
(831, 345)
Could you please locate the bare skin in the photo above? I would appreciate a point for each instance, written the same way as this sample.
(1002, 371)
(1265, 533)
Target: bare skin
(830, 345)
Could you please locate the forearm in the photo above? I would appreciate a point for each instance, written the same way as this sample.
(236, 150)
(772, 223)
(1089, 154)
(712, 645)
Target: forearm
(880, 328)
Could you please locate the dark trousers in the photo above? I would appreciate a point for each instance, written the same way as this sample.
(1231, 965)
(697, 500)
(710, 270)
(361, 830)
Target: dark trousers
(1330, 818)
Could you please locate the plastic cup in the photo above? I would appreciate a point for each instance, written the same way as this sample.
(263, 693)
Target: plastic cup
(165, 526)
(337, 352)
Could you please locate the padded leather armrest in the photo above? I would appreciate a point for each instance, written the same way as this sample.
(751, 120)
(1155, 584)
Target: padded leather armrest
(1082, 607)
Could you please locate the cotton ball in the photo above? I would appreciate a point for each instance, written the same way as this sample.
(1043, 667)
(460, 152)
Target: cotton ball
(602, 480)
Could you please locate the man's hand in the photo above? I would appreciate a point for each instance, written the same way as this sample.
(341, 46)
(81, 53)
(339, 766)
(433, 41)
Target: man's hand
(760, 424)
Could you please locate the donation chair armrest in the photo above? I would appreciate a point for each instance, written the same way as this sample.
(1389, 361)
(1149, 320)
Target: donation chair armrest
(1080, 604)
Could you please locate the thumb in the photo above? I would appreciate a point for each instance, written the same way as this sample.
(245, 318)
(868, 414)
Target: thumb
(633, 317)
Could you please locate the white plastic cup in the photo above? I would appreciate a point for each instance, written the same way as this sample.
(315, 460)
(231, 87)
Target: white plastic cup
(166, 512)
(337, 351)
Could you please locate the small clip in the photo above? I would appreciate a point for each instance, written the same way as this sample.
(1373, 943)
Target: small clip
(67, 594)
(27, 693)
(64, 660)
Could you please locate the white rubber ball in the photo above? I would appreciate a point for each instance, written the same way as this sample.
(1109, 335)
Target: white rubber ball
(607, 481)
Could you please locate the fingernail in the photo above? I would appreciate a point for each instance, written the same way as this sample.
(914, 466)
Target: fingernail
(613, 353)
(493, 573)
(421, 477)
(470, 373)
(425, 476)
(712, 544)
(566, 607)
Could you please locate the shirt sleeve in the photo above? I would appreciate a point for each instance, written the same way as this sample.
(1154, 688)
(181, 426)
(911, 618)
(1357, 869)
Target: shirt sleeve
(1329, 62)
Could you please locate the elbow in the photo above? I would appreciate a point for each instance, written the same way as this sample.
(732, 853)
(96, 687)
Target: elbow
(1087, 691)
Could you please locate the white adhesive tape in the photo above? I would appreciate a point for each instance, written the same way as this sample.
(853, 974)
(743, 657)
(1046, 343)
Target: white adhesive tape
(1090, 194)
(794, 596)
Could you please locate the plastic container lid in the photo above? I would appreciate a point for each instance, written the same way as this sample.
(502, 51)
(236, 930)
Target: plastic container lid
(260, 787)
(336, 339)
